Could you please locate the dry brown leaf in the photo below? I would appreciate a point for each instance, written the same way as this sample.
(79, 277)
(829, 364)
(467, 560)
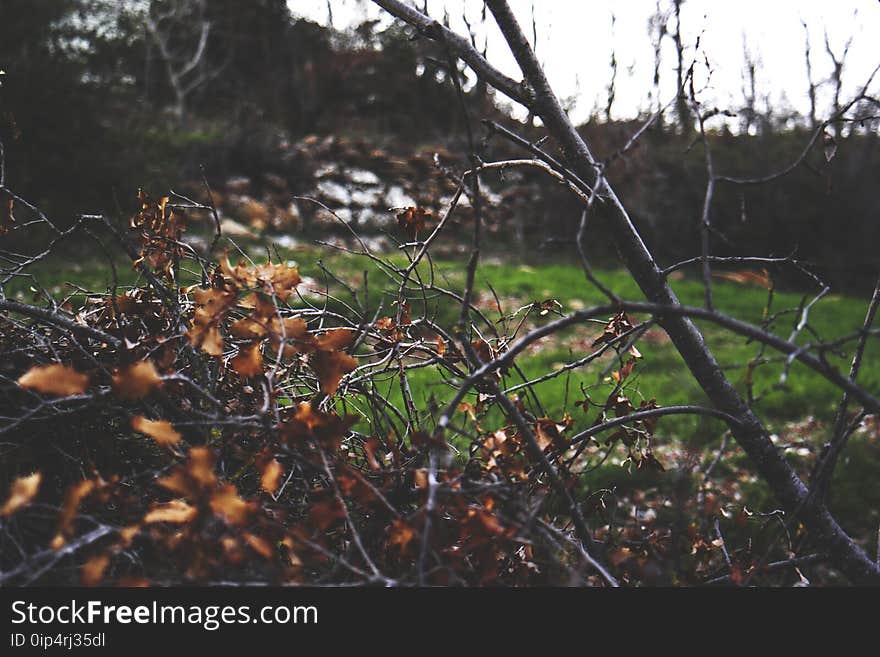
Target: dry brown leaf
(159, 430)
(293, 332)
(6, 216)
(201, 466)
(128, 534)
(330, 367)
(92, 571)
(75, 495)
(259, 545)
(226, 502)
(400, 535)
(61, 380)
(745, 276)
(248, 361)
(136, 381)
(22, 491)
(248, 328)
(270, 477)
(336, 339)
(212, 305)
(412, 220)
(278, 280)
(309, 424)
(175, 511)
(483, 350)
(625, 371)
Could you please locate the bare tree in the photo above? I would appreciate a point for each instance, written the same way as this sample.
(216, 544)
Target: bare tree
(682, 106)
(750, 111)
(612, 83)
(657, 30)
(180, 34)
(836, 79)
(811, 84)
(535, 93)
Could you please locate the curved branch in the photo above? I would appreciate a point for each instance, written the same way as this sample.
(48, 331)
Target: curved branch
(649, 413)
(460, 46)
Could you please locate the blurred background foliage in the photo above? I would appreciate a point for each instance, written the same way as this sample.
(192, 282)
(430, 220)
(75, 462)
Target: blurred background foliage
(90, 111)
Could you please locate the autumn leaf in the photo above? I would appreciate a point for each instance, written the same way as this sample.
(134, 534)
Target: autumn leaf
(259, 545)
(92, 571)
(22, 491)
(412, 220)
(482, 350)
(649, 423)
(126, 304)
(310, 424)
(621, 405)
(6, 217)
(649, 462)
(159, 430)
(129, 582)
(248, 328)
(488, 521)
(178, 482)
(400, 535)
(60, 380)
(549, 432)
(745, 276)
(226, 502)
(75, 495)
(293, 333)
(336, 339)
(390, 331)
(136, 381)
(276, 280)
(175, 511)
(620, 555)
(625, 371)
(201, 466)
(128, 534)
(330, 367)
(248, 361)
(160, 228)
(270, 477)
(616, 326)
(211, 306)
(547, 306)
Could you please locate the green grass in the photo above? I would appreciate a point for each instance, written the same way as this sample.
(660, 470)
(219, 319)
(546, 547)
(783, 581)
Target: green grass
(660, 374)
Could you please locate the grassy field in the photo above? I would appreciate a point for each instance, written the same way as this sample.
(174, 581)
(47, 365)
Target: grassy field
(659, 374)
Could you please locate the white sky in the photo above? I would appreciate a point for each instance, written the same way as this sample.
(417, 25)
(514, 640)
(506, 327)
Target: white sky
(575, 41)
